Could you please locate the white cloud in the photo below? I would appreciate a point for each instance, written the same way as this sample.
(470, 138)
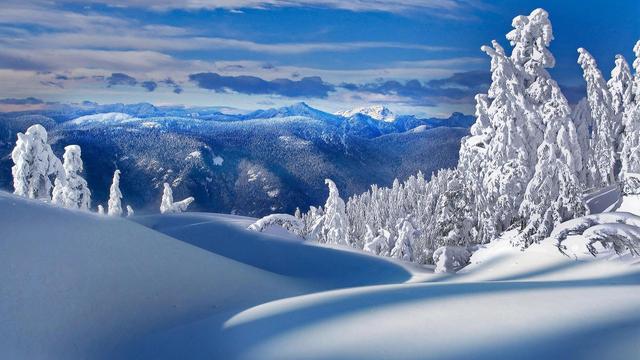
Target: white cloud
(397, 6)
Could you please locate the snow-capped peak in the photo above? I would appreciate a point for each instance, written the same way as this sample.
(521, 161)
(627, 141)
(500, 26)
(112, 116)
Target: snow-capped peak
(103, 117)
(377, 112)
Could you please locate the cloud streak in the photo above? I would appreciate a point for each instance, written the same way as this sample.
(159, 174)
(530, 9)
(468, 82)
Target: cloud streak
(252, 85)
(457, 88)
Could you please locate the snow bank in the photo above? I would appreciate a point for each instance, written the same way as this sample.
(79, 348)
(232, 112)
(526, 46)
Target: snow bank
(78, 285)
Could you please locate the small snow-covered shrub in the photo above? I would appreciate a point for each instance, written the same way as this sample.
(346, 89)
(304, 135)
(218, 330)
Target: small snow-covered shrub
(168, 206)
(291, 223)
(449, 259)
(631, 184)
(618, 230)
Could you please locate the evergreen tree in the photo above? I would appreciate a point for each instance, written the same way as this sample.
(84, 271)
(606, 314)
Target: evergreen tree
(604, 137)
(72, 191)
(630, 152)
(335, 225)
(35, 164)
(115, 196)
(167, 204)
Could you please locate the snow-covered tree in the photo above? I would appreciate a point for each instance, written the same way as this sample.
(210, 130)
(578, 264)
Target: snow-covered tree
(620, 85)
(604, 135)
(100, 210)
(290, 223)
(630, 152)
(379, 244)
(508, 165)
(115, 196)
(403, 248)
(583, 122)
(130, 211)
(36, 166)
(554, 194)
(169, 206)
(312, 222)
(453, 223)
(335, 224)
(72, 191)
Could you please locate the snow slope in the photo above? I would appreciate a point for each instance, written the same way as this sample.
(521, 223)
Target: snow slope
(200, 286)
(76, 284)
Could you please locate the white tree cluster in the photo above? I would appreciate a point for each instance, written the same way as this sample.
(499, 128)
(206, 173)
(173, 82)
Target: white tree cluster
(36, 168)
(525, 165)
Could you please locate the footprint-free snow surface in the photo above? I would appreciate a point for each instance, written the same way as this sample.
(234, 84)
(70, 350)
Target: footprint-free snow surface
(78, 285)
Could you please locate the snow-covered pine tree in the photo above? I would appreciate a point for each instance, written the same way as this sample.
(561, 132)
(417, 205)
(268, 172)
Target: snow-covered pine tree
(115, 196)
(620, 85)
(130, 211)
(403, 248)
(100, 210)
(604, 138)
(554, 193)
(335, 225)
(583, 122)
(630, 154)
(453, 224)
(167, 204)
(72, 191)
(35, 164)
(312, 222)
(507, 165)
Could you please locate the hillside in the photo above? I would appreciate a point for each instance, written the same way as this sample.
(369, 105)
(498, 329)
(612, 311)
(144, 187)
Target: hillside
(253, 164)
(198, 285)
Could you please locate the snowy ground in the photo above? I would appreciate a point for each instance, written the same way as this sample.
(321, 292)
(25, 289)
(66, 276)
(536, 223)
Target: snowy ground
(77, 285)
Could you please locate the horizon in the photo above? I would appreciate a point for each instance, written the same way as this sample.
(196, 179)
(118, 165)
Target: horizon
(415, 58)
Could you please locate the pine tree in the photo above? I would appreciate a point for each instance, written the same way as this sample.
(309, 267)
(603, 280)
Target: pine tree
(583, 122)
(403, 248)
(130, 211)
(335, 225)
(604, 137)
(115, 196)
(72, 191)
(167, 204)
(630, 153)
(35, 164)
(620, 85)
(554, 194)
(507, 166)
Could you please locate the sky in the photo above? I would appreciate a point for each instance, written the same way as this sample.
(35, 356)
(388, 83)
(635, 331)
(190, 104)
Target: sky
(415, 56)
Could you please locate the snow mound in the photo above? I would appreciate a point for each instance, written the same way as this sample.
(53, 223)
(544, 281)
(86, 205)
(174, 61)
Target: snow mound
(78, 285)
(377, 112)
(325, 267)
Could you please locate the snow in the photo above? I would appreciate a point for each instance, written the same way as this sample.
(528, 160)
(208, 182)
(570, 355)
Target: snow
(218, 160)
(112, 117)
(198, 285)
(376, 112)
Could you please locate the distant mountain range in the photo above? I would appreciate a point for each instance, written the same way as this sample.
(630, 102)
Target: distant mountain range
(251, 164)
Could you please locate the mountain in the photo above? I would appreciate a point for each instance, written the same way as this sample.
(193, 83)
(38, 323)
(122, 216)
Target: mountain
(376, 112)
(251, 164)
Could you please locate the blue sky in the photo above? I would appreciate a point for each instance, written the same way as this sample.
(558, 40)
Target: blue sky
(415, 56)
